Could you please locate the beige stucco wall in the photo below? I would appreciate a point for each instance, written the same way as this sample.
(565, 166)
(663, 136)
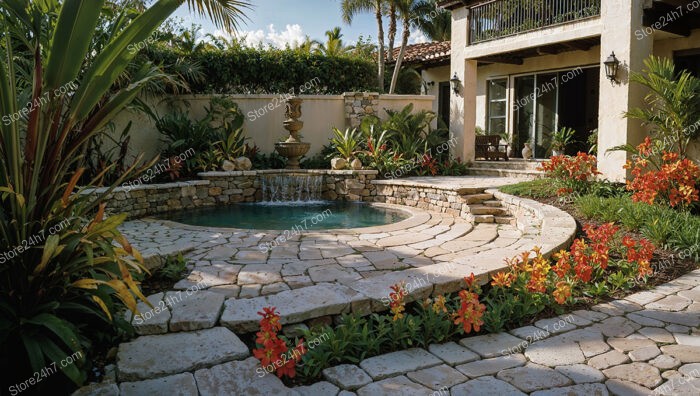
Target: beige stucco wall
(320, 114)
(437, 75)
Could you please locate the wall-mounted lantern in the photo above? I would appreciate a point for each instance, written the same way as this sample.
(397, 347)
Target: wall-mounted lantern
(455, 83)
(612, 65)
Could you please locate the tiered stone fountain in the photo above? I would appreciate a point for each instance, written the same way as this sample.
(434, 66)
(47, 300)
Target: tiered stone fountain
(293, 148)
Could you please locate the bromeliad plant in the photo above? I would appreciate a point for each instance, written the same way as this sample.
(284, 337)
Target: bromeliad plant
(58, 281)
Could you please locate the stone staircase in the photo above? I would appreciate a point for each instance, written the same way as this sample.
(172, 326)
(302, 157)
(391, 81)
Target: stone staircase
(484, 208)
(516, 168)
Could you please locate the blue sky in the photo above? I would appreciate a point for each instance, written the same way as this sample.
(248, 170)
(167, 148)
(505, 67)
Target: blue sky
(279, 22)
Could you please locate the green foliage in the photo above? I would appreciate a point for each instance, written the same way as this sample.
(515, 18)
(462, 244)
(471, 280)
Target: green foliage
(663, 226)
(173, 269)
(216, 137)
(562, 138)
(346, 143)
(539, 188)
(405, 144)
(320, 160)
(673, 104)
(72, 272)
(254, 70)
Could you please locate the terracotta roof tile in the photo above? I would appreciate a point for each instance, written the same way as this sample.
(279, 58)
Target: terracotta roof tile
(434, 52)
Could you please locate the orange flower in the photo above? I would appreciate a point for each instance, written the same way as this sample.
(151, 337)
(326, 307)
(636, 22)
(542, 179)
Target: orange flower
(469, 280)
(397, 304)
(503, 279)
(562, 292)
(470, 312)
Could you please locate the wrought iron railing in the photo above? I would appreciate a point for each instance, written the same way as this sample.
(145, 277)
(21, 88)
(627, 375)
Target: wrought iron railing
(502, 18)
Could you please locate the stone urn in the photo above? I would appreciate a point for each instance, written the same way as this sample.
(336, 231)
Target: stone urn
(292, 148)
(527, 152)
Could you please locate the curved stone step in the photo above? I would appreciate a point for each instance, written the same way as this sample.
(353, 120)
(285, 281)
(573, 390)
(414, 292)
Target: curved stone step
(154, 356)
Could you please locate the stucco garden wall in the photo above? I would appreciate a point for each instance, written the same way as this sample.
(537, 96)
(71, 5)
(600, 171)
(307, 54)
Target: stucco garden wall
(264, 115)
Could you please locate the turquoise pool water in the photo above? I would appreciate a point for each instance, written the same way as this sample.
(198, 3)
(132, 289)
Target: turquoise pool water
(316, 215)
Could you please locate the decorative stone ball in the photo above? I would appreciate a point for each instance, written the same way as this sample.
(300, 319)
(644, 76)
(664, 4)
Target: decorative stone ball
(243, 163)
(338, 163)
(356, 164)
(228, 166)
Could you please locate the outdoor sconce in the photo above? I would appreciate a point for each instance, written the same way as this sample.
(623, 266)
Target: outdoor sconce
(612, 64)
(455, 83)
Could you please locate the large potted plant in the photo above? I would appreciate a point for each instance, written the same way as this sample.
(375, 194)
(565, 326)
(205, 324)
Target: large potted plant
(561, 139)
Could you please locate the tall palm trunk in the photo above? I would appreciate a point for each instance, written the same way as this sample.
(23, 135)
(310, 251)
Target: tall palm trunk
(399, 59)
(380, 33)
(392, 29)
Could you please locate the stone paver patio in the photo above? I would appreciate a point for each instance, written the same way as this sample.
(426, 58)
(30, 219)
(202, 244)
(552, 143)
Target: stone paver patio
(647, 343)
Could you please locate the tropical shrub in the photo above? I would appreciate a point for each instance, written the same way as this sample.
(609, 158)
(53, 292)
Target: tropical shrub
(673, 105)
(66, 269)
(245, 70)
(204, 143)
(667, 180)
(571, 174)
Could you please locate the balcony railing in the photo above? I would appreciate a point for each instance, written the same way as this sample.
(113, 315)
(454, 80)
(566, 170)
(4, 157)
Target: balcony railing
(502, 18)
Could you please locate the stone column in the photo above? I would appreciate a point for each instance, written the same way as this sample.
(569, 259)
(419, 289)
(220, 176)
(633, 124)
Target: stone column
(463, 104)
(358, 105)
(620, 20)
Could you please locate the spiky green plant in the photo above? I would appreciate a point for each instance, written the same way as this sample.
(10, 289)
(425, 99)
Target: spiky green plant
(67, 261)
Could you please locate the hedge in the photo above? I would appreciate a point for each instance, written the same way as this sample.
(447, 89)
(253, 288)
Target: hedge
(253, 70)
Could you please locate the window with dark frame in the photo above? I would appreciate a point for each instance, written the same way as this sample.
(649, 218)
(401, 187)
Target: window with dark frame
(497, 104)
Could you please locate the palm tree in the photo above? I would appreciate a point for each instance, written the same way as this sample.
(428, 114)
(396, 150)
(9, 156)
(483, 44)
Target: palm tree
(407, 11)
(392, 28)
(434, 22)
(308, 46)
(350, 8)
(334, 44)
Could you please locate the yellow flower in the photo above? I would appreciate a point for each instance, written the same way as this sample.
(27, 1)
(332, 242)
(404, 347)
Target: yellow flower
(439, 304)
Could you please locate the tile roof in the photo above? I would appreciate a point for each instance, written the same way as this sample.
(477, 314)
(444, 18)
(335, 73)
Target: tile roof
(426, 53)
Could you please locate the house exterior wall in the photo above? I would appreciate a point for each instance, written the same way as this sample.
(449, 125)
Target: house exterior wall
(618, 27)
(437, 75)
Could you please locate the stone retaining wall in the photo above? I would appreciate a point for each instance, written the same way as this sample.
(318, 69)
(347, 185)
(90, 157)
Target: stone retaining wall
(222, 188)
(450, 200)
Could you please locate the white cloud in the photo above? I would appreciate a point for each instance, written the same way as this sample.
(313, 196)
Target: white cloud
(417, 37)
(292, 35)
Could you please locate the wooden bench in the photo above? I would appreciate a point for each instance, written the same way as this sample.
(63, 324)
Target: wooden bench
(488, 147)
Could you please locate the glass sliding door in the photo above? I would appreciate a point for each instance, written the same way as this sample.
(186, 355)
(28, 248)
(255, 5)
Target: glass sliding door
(546, 95)
(523, 112)
(535, 112)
